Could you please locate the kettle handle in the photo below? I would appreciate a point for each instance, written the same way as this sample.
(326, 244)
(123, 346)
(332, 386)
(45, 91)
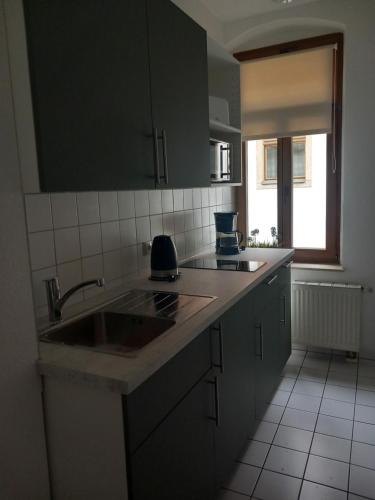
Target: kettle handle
(241, 240)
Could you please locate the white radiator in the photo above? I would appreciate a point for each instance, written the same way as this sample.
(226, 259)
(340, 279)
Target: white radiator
(326, 315)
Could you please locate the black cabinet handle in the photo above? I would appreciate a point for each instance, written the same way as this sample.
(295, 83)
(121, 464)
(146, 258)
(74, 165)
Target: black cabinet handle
(274, 278)
(288, 264)
(219, 330)
(283, 321)
(156, 155)
(165, 155)
(216, 418)
(259, 327)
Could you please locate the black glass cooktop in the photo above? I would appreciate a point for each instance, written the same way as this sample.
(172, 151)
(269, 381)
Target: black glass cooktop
(249, 266)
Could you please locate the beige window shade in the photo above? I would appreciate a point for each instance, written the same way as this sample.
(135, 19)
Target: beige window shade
(288, 94)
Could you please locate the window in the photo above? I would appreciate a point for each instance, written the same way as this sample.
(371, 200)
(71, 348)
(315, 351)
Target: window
(292, 150)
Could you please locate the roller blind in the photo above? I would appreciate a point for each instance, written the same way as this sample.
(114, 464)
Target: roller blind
(288, 94)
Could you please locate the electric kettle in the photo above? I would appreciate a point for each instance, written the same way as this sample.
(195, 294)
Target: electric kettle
(164, 265)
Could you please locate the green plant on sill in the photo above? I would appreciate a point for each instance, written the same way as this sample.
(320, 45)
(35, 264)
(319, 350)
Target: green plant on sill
(253, 243)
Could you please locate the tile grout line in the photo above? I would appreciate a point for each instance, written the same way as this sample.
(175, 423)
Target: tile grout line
(314, 431)
(351, 442)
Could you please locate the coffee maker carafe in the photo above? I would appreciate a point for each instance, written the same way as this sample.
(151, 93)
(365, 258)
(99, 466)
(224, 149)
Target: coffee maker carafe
(228, 239)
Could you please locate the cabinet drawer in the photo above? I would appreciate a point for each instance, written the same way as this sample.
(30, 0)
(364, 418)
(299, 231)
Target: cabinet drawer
(270, 287)
(150, 403)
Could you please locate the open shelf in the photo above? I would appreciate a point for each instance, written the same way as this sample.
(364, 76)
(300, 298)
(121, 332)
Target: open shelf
(222, 127)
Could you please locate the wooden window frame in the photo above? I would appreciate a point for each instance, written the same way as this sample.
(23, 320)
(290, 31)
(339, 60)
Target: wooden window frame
(331, 254)
(266, 145)
(298, 140)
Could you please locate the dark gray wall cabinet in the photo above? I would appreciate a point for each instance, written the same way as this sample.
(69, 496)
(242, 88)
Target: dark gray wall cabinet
(119, 93)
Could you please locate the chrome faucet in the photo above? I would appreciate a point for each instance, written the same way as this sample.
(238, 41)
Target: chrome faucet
(56, 301)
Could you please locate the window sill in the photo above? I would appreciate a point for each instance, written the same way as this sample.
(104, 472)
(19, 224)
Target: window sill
(319, 267)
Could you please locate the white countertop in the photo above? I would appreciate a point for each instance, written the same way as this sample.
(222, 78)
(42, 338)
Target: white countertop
(124, 374)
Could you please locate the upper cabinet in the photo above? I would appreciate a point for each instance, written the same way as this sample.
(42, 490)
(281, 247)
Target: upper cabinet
(119, 91)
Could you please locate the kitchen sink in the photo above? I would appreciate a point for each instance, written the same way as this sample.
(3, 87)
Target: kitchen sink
(107, 331)
(129, 323)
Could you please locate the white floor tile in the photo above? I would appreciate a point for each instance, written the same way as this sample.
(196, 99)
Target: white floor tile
(315, 375)
(366, 383)
(308, 388)
(274, 486)
(337, 408)
(365, 414)
(231, 495)
(302, 402)
(331, 447)
(339, 393)
(333, 426)
(342, 379)
(255, 454)
(366, 370)
(244, 478)
(363, 455)
(365, 398)
(299, 419)
(344, 368)
(328, 472)
(313, 491)
(290, 371)
(270, 413)
(362, 481)
(295, 439)
(280, 398)
(364, 433)
(351, 496)
(286, 461)
(265, 431)
(286, 384)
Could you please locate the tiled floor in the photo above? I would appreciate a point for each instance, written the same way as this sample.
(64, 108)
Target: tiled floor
(316, 438)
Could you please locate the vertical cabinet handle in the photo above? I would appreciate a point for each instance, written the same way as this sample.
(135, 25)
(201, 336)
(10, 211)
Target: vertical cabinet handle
(274, 278)
(216, 418)
(219, 330)
(283, 321)
(259, 327)
(156, 155)
(165, 155)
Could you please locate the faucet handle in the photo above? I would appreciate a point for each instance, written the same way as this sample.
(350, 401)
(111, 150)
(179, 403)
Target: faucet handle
(53, 286)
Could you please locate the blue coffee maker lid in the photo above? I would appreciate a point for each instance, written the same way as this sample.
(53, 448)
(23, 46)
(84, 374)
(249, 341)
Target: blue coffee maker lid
(224, 221)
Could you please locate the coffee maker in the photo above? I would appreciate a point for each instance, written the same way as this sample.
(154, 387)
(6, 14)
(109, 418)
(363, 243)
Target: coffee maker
(228, 239)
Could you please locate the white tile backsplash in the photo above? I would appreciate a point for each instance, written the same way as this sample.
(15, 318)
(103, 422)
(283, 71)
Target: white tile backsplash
(64, 210)
(102, 233)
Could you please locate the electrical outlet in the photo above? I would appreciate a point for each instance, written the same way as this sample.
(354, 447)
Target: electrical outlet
(146, 248)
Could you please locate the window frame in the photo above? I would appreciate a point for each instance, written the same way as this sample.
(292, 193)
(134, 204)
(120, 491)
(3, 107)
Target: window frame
(331, 254)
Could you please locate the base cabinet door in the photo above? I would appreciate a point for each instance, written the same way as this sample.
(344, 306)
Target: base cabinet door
(234, 356)
(285, 325)
(177, 459)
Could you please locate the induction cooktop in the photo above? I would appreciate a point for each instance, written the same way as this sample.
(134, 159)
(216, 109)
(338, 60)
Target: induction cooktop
(249, 266)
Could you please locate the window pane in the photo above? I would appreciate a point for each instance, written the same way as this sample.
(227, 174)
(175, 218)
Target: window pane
(271, 162)
(309, 197)
(299, 158)
(262, 195)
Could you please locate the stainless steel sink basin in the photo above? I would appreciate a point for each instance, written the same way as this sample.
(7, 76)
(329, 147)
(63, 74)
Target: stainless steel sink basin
(129, 323)
(112, 332)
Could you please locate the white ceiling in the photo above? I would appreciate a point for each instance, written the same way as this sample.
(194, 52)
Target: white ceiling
(232, 10)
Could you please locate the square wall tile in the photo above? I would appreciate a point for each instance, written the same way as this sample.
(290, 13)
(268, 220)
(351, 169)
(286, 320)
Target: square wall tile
(143, 229)
(212, 196)
(362, 481)
(67, 244)
(126, 204)
(92, 267)
(205, 216)
(197, 217)
(204, 197)
(188, 199)
(129, 259)
(142, 204)
(179, 222)
(64, 210)
(108, 205)
(329, 472)
(128, 232)
(332, 426)
(70, 274)
(244, 478)
(168, 224)
(295, 439)
(112, 265)
(219, 195)
(189, 220)
(180, 245)
(178, 200)
(111, 236)
(331, 447)
(167, 200)
(197, 198)
(154, 198)
(255, 454)
(156, 222)
(42, 250)
(286, 461)
(39, 286)
(38, 212)
(88, 208)
(272, 486)
(91, 239)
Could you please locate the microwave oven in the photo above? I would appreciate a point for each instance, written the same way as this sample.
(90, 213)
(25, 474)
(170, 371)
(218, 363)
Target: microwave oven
(220, 161)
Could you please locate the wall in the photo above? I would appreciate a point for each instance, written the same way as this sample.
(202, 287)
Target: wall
(23, 467)
(356, 20)
(80, 236)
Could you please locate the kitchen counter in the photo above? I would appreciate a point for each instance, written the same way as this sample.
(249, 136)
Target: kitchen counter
(123, 374)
